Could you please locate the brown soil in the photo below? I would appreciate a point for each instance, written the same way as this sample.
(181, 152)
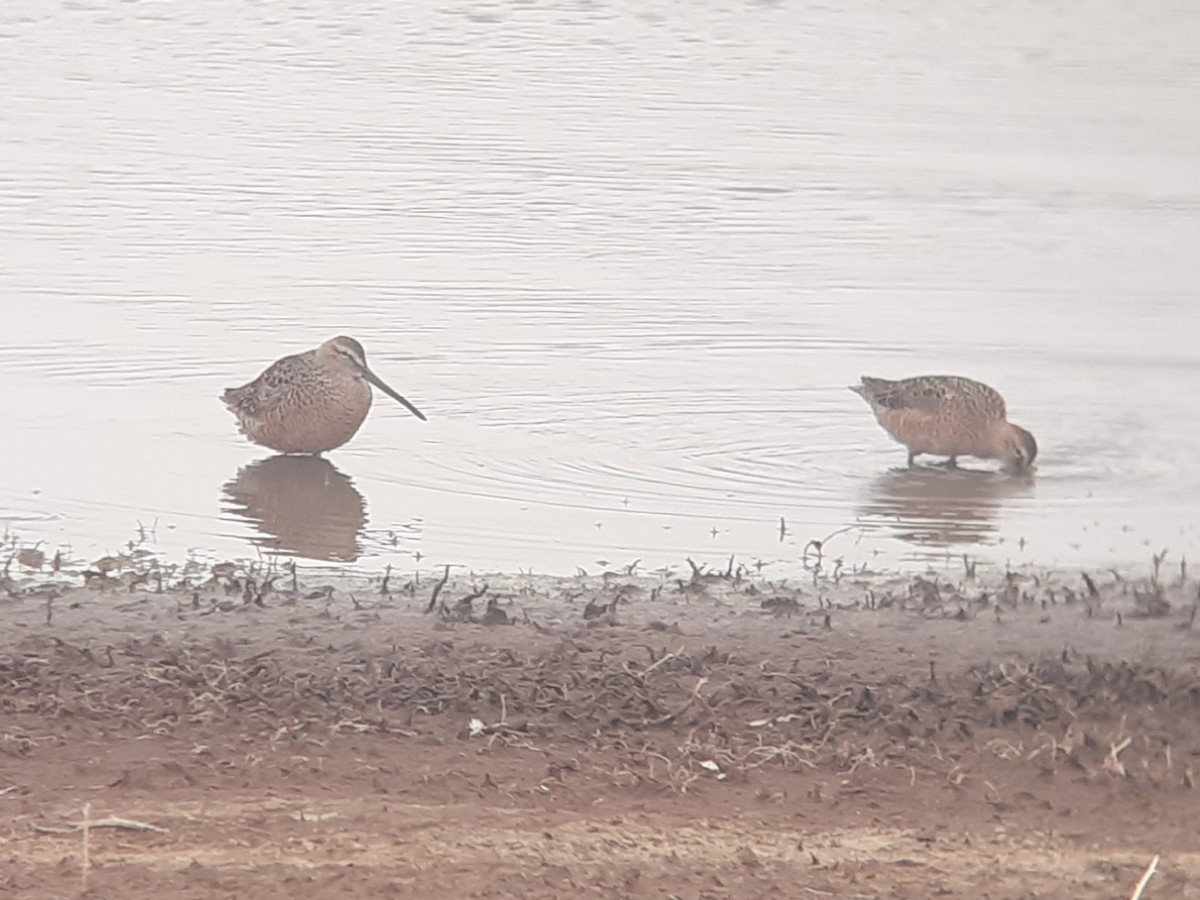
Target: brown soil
(718, 737)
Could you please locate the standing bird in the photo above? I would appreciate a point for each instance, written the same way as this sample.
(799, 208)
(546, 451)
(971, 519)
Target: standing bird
(948, 416)
(311, 402)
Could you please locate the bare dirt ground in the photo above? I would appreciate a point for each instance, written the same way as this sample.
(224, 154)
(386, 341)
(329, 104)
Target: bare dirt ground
(231, 734)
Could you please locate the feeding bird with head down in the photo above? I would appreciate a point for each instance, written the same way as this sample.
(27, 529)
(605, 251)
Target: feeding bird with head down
(946, 415)
(311, 402)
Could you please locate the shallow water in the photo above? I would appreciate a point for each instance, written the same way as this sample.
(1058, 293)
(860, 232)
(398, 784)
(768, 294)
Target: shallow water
(625, 257)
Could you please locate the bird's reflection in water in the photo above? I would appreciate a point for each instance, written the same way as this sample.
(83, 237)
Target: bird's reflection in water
(942, 508)
(301, 505)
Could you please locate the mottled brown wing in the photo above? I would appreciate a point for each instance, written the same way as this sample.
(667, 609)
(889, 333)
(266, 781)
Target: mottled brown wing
(975, 396)
(919, 394)
(269, 389)
(930, 394)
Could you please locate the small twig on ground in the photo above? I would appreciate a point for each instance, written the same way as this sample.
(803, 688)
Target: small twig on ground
(1145, 879)
(1112, 763)
(595, 608)
(815, 547)
(86, 854)
(437, 589)
(1157, 559)
(670, 717)
(111, 822)
(665, 658)
(473, 596)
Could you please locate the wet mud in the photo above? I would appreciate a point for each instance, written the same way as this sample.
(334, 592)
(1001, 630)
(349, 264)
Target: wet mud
(232, 731)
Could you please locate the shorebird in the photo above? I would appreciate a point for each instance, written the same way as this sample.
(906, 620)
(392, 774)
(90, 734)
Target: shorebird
(945, 415)
(310, 402)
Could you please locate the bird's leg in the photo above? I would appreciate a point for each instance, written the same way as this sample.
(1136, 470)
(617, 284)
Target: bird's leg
(911, 458)
(952, 463)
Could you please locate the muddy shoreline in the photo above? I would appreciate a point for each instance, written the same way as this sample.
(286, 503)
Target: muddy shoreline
(695, 734)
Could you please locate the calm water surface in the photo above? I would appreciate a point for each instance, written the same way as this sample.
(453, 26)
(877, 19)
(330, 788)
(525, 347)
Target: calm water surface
(626, 257)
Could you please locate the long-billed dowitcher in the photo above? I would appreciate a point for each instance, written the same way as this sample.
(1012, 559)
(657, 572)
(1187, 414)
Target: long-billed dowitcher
(945, 415)
(311, 402)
